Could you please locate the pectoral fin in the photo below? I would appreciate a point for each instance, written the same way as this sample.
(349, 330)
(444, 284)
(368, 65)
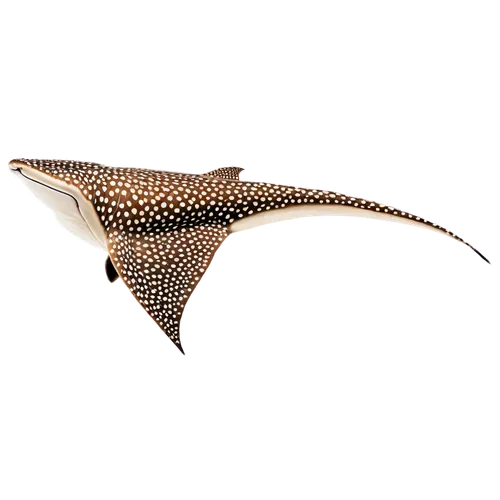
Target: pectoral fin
(162, 269)
(111, 271)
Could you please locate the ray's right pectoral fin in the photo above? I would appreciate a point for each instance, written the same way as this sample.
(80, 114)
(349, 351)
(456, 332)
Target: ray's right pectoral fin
(111, 271)
(162, 269)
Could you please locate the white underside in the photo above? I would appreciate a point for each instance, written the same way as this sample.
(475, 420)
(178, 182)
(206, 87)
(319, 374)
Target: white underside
(72, 209)
(296, 212)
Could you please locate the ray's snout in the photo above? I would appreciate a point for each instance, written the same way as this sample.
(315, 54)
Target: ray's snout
(13, 165)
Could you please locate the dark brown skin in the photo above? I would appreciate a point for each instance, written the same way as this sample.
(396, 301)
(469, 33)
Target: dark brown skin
(163, 228)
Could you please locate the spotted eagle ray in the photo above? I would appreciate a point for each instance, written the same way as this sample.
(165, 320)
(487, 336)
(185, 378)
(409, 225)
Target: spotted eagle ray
(162, 229)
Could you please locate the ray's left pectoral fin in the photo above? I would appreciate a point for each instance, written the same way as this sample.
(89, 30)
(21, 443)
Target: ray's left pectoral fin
(162, 269)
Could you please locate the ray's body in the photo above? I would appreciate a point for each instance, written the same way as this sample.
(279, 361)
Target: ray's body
(161, 229)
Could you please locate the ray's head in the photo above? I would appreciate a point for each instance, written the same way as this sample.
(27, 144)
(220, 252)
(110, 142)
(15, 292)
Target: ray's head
(64, 174)
(59, 168)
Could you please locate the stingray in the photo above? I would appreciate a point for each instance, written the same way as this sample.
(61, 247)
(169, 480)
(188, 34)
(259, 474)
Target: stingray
(162, 229)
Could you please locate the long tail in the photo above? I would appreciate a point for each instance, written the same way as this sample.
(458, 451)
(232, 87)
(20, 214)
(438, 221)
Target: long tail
(292, 202)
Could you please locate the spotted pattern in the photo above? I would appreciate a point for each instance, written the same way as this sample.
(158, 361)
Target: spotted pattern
(162, 269)
(226, 173)
(163, 228)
